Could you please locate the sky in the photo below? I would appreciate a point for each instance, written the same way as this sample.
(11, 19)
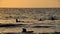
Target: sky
(29, 3)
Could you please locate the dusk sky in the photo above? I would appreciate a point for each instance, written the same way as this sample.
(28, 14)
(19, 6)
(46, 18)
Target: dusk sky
(30, 3)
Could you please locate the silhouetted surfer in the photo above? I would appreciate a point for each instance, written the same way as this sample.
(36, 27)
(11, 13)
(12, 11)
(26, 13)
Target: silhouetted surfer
(24, 30)
(17, 20)
(40, 19)
(52, 18)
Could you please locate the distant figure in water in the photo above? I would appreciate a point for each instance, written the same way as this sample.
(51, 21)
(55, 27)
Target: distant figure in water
(17, 20)
(40, 19)
(24, 30)
(52, 18)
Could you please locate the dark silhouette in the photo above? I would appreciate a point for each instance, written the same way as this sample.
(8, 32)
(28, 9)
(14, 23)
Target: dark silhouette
(17, 20)
(40, 19)
(24, 30)
(52, 18)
